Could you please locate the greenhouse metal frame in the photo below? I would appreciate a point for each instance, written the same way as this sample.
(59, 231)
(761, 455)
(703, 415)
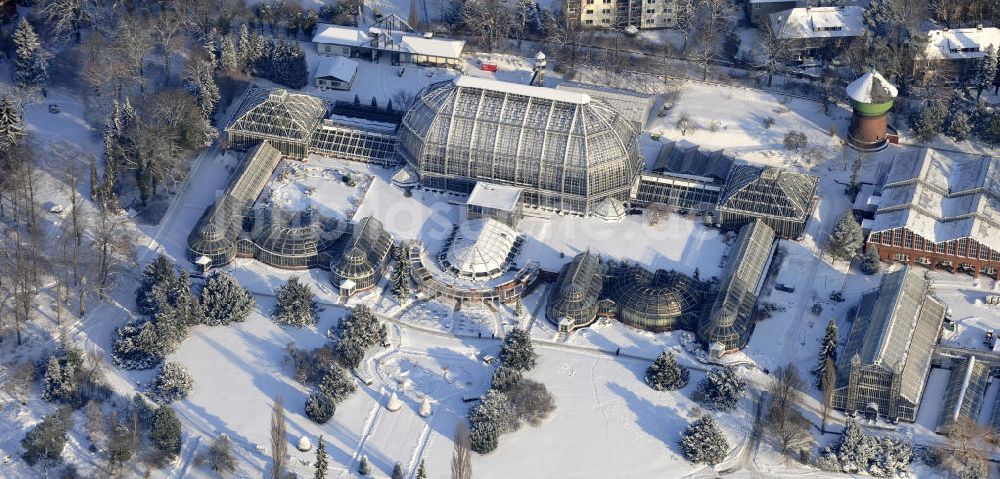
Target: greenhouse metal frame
(965, 393)
(567, 151)
(293, 239)
(885, 363)
(355, 144)
(730, 320)
(220, 228)
(782, 199)
(577, 290)
(655, 300)
(362, 258)
(464, 291)
(286, 119)
(480, 249)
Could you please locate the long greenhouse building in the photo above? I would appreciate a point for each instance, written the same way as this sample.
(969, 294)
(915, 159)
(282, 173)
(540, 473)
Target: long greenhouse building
(567, 151)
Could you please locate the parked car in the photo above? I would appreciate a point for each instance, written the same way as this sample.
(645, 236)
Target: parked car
(784, 287)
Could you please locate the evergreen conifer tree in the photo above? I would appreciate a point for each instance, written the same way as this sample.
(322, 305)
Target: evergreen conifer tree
(870, 261)
(225, 301)
(337, 384)
(846, 238)
(11, 125)
(356, 333)
(322, 463)
(47, 440)
(827, 350)
(960, 127)
(31, 62)
(929, 120)
(721, 390)
(220, 456)
(229, 60)
(517, 351)
(295, 304)
(159, 278)
(320, 408)
(987, 70)
(397, 471)
(401, 275)
(363, 468)
(421, 471)
(665, 374)
(165, 433)
(704, 442)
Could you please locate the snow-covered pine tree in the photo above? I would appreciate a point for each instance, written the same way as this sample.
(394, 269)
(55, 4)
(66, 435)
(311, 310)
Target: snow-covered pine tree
(136, 346)
(401, 275)
(421, 470)
(337, 384)
(165, 432)
(846, 238)
(959, 126)
(704, 442)
(225, 301)
(665, 374)
(363, 468)
(493, 410)
(893, 458)
(987, 70)
(322, 463)
(974, 469)
(173, 383)
(31, 62)
(160, 276)
(54, 386)
(11, 124)
(855, 449)
(397, 471)
(200, 81)
(319, 407)
(721, 390)
(929, 120)
(46, 441)
(295, 304)
(484, 437)
(505, 377)
(827, 351)
(356, 333)
(184, 301)
(870, 261)
(229, 59)
(517, 351)
(247, 52)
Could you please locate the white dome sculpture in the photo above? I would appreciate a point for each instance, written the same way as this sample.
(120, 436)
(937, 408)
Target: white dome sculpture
(394, 403)
(425, 407)
(304, 444)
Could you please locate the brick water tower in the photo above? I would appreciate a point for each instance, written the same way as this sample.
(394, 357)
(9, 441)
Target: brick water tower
(871, 97)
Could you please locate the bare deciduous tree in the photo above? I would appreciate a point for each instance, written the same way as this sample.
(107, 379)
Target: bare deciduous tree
(785, 424)
(461, 459)
(279, 439)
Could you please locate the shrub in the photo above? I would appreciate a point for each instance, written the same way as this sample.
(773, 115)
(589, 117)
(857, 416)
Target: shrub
(173, 383)
(320, 408)
(531, 401)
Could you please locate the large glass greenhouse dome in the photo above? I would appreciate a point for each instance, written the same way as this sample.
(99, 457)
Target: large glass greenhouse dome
(566, 150)
(655, 300)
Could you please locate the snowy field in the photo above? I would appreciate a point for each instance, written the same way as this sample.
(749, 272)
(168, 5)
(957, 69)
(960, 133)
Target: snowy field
(316, 184)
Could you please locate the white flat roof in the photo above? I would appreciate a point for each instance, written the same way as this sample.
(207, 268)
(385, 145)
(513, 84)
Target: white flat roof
(340, 35)
(564, 96)
(949, 44)
(491, 195)
(341, 68)
(434, 47)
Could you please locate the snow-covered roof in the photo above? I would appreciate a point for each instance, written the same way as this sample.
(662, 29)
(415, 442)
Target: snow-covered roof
(434, 47)
(861, 89)
(480, 249)
(895, 328)
(523, 90)
(610, 209)
(942, 197)
(959, 43)
(498, 197)
(337, 67)
(637, 106)
(818, 22)
(340, 35)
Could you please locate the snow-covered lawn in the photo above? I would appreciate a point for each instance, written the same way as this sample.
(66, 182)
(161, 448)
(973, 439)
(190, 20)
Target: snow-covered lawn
(315, 183)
